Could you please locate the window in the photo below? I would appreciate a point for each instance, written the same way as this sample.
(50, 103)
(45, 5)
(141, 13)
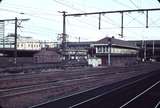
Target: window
(99, 49)
(103, 49)
(117, 50)
(36, 59)
(112, 50)
(106, 49)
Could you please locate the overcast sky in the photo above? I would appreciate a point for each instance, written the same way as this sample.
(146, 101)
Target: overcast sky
(46, 23)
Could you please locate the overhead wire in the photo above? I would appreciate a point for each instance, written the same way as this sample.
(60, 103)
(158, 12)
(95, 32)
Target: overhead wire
(122, 4)
(31, 32)
(82, 11)
(33, 15)
(61, 3)
(107, 20)
(91, 25)
(139, 8)
(115, 24)
(73, 7)
(31, 9)
(110, 23)
(134, 19)
(155, 21)
(134, 4)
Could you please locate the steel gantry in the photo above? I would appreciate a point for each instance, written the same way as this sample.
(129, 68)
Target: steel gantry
(17, 24)
(99, 19)
(107, 12)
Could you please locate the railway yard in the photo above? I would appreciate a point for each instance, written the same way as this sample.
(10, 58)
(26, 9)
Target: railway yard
(23, 90)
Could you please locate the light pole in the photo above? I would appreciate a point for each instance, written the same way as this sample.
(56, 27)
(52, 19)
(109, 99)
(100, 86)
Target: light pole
(109, 52)
(64, 35)
(15, 42)
(145, 50)
(15, 34)
(153, 48)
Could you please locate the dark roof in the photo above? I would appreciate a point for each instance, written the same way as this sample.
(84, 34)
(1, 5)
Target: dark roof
(116, 42)
(50, 51)
(79, 44)
(88, 42)
(147, 41)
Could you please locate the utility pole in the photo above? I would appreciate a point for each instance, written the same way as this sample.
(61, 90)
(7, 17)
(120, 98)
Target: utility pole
(122, 24)
(15, 35)
(99, 27)
(146, 19)
(64, 35)
(15, 42)
(64, 28)
(145, 50)
(79, 39)
(122, 12)
(2, 24)
(109, 51)
(153, 50)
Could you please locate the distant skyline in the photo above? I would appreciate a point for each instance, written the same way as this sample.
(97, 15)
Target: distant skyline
(46, 23)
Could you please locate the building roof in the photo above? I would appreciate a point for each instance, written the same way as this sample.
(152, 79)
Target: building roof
(116, 42)
(148, 42)
(47, 51)
(80, 43)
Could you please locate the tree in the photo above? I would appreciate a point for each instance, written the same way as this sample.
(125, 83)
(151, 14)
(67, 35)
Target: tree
(159, 1)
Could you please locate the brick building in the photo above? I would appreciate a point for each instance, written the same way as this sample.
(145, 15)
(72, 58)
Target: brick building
(47, 55)
(121, 52)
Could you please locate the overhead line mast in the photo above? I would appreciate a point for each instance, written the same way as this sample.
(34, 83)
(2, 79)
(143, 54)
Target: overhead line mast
(99, 19)
(15, 35)
(118, 11)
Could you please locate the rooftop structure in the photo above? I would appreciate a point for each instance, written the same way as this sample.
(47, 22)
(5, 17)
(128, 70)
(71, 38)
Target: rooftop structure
(27, 43)
(149, 49)
(111, 51)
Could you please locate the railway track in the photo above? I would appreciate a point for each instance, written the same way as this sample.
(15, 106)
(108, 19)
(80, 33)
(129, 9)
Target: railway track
(137, 94)
(52, 85)
(130, 93)
(49, 90)
(35, 78)
(30, 79)
(149, 98)
(11, 91)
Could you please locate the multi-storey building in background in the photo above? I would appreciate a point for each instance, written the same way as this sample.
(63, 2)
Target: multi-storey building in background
(26, 43)
(31, 44)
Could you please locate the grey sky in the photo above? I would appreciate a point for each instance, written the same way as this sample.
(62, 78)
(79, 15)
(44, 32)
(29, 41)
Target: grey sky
(46, 22)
